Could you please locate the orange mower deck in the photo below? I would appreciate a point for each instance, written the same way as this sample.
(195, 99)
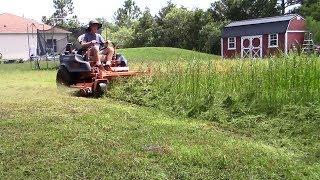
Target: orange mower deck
(101, 77)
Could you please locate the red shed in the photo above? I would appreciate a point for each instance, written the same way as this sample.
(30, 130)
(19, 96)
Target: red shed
(262, 37)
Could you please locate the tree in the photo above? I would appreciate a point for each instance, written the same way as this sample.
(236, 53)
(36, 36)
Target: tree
(178, 27)
(199, 19)
(63, 10)
(123, 37)
(243, 9)
(209, 36)
(314, 27)
(143, 33)
(177, 24)
(285, 5)
(164, 11)
(125, 16)
(73, 25)
(48, 20)
(311, 8)
(159, 31)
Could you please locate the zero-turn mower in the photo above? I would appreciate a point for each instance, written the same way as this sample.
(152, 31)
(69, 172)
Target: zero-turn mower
(76, 71)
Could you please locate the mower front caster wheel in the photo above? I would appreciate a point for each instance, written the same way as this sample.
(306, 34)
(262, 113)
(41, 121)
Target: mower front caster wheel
(100, 89)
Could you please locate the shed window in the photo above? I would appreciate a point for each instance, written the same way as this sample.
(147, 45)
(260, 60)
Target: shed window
(273, 40)
(232, 43)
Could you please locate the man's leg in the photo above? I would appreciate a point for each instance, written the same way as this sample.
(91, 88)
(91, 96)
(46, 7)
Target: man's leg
(95, 55)
(107, 54)
(110, 53)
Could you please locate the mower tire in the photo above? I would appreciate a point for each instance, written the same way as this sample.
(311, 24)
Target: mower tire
(100, 90)
(64, 77)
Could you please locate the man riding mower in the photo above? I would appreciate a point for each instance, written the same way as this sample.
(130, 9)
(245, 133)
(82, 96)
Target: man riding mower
(93, 66)
(95, 48)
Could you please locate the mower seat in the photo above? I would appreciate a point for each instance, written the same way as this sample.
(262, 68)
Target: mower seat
(123, 61)
(75, 63)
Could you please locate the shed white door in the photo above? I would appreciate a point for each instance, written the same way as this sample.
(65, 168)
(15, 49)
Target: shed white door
(251, 47)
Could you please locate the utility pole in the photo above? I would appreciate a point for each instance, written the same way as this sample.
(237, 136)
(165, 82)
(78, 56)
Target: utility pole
(285, 4)
(283, 7)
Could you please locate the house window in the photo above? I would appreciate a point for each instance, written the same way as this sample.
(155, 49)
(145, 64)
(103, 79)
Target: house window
(273, 40)
(232, 43)
(51, 46)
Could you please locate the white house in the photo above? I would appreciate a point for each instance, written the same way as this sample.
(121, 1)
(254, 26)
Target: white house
(20, 37)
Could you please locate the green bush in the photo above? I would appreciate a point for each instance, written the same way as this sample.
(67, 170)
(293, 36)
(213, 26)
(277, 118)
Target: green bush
(314, 27)
(122, 37)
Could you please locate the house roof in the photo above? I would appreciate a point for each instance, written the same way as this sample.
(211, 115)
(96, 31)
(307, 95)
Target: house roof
(10, 23)
(277, 24)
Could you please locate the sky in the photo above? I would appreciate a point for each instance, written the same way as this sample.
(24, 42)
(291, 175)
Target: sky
(89, 9)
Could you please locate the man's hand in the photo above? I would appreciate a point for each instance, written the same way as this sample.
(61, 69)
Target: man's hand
(92, 43)
(108, 44)
(108, 63)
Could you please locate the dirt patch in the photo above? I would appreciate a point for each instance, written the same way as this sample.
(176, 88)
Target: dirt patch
(157, 149)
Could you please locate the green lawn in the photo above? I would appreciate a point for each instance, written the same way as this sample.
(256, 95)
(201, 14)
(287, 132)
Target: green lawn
(46, 134)
(164, 54)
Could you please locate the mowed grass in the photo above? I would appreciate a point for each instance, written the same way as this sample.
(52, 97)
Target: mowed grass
(47, 134)
(155, 55)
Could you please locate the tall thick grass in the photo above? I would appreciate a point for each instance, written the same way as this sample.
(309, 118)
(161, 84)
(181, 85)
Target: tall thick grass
(275, 100)
(237, 86)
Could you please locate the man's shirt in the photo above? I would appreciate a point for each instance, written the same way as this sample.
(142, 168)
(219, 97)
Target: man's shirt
(88, 37)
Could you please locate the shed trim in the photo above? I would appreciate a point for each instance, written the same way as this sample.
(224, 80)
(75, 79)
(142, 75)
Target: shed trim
(251, 48)
(286, 44)
(292, 31)
(235, 43)
(264, 20)
(222, 49)
(269, 41)
(290, 23)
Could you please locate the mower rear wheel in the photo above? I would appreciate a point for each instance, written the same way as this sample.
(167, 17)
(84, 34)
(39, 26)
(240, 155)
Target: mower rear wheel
(64, 77)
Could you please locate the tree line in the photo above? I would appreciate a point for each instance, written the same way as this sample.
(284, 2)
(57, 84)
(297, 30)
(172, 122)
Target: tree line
(175, 26)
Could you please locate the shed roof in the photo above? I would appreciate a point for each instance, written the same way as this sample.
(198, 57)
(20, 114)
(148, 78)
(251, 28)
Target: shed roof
(10, 23)
(277, 24)
(262, 20)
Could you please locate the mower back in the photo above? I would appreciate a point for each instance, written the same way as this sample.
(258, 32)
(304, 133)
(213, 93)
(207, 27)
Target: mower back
(74, 63)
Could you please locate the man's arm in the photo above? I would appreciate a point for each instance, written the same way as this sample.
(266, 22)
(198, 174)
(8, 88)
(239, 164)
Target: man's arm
(87, 44)
(102, 42)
